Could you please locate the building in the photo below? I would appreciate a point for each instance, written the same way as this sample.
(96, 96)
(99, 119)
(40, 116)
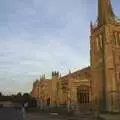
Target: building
(99, 83)
(62, 90)
(105, 58)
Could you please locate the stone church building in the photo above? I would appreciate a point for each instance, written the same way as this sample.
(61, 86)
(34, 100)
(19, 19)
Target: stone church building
(97, 84)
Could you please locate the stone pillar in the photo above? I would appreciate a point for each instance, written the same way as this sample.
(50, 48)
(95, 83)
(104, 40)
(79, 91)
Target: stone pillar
(73, 98)
(69, 101)
(41, 104)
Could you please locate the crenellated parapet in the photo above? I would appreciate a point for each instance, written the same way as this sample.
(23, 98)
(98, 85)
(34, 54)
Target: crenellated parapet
(42, 77)
(55, 74)
(36, 83)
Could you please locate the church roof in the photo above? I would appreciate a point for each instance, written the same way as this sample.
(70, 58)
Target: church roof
(85, 71)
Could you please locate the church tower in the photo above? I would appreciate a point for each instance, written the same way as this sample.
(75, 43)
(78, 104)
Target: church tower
(105, 58)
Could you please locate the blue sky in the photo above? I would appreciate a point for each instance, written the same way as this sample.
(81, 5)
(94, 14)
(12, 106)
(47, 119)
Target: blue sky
(39, 36)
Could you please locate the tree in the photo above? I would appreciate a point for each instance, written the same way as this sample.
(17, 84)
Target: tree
(19, 94)
(1, 94)
(26, 95)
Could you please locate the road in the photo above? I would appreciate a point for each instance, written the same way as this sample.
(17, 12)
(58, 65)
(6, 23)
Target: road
(10, 114)
(13, 114)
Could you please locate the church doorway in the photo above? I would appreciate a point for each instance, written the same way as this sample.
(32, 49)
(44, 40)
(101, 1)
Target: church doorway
(83, 94)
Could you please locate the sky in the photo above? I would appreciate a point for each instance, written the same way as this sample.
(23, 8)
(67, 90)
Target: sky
(40, 36)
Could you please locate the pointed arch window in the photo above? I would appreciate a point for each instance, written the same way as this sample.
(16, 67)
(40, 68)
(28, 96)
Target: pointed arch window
(119, 75)
(83, 94)
(114, 41)
(97, 43)
(117, 39)
(100, 41)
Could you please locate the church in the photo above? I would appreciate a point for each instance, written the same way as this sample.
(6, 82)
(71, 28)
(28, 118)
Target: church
(97, 84)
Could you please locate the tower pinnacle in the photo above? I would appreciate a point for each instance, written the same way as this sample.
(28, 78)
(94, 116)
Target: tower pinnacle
(105, 11)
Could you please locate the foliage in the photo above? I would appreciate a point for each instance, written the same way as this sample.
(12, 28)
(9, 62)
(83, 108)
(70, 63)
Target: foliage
(19, 94)
(19, 98)
(1, 94)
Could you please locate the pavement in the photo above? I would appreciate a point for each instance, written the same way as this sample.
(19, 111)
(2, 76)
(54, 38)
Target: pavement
(34, 116)
(56, 116)
(110, 116)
